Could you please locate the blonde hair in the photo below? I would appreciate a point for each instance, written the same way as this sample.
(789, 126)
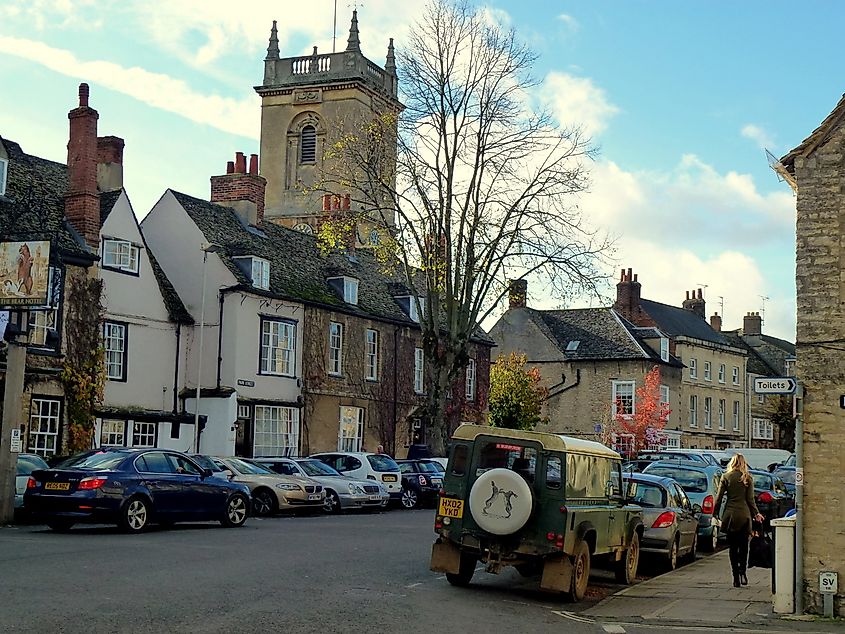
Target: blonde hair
(738, 463)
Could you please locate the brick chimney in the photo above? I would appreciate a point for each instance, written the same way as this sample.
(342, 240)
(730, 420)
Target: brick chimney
(752, 329)
(627, 301)
(518, 294)
(716, 322)
(82, 201)
(109, 163)
(695, 303)
(241, 190)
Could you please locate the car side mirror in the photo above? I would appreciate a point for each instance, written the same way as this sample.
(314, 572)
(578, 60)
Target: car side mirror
(206, 473)
(696, 509)
(229, 475)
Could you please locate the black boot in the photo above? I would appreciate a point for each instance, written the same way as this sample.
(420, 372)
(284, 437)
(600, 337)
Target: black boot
(742, 578)
(736, 580)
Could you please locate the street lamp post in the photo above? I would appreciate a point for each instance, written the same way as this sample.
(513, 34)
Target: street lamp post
(207, 247)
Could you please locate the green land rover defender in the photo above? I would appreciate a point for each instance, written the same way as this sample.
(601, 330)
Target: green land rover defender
(543, 503)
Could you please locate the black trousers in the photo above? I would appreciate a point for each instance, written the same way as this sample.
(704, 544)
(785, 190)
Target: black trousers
(738, 545)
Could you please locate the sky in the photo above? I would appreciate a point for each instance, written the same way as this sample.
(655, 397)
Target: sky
(680, 98)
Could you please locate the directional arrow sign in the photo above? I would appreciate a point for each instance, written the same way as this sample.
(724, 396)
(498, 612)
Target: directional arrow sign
(775, 385)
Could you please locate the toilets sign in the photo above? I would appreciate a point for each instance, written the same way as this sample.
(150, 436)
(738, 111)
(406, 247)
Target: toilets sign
(776, 385)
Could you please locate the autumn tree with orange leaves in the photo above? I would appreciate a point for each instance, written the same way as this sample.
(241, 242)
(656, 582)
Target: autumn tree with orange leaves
(650, 415)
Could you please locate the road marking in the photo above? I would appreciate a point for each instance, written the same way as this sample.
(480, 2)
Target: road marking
(696, 628)
(414, 585)
(573, 617)
(613, 628)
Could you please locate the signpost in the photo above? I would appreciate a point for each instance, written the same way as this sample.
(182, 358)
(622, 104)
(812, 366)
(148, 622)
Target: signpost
(828, 586)
(775, 385)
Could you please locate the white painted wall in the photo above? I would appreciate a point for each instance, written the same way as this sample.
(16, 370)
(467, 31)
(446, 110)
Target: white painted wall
(218, 437)
(151, 341)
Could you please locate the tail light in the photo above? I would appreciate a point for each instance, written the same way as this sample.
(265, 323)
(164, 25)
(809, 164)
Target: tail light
(438, 524)
(32, 483)
(707, 505)
(559, 541)
(664, 520)
(95, 482)
(550, 537)
(441, 492)
(765, 497)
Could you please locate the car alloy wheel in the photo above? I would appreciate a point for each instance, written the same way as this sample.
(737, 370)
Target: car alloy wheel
(673, 555)
(262, 502)
(409, 498)
(135, 515)
(332, 503)
(236, 511)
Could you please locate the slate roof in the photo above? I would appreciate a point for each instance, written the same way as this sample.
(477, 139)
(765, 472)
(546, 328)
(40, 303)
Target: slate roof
(298, 270)
(818, 136)
(766, 359)
(33, 206)
(107, 201)
(680, 322)
(601, 334)
(175, 308)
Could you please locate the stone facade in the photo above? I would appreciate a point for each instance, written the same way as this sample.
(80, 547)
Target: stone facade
(817, 171)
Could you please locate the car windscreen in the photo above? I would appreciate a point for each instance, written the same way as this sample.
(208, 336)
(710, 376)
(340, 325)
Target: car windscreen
(648, 494)
(691, 481)
(431, 467)
(206, 463)
(787, 475)
(381, 463)
(762, 482)
(317, 468)
(100, 461)
(247, 468)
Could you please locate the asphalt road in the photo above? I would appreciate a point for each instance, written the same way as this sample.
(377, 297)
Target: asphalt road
(350, 573)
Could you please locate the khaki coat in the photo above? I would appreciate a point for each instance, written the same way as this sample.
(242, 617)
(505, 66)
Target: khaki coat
(740, 507)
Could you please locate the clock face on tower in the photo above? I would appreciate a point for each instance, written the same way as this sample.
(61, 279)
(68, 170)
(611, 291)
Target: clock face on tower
(304, 227)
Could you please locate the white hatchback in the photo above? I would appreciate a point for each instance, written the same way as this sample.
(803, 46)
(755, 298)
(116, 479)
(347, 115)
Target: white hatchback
(366, 466)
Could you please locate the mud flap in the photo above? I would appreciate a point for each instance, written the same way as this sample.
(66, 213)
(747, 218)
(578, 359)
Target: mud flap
(445, 557)
(557, 575)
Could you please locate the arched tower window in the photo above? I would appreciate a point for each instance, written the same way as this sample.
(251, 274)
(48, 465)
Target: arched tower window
(308, 144)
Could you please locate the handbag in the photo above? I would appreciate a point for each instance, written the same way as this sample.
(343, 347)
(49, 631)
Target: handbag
(760, 551)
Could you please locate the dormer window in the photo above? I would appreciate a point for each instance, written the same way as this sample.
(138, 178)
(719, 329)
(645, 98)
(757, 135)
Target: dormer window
(414, 313)
(120, 255)
(664, 348)
(4, 170)
(346, 287)
(260, 273)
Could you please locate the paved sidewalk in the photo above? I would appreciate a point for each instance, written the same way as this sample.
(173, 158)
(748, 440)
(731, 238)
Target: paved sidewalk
(701, 593)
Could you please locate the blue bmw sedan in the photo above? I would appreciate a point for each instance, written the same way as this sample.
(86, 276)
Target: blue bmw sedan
(133, 488)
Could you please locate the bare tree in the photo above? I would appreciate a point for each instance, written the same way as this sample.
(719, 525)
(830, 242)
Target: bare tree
(473, 184)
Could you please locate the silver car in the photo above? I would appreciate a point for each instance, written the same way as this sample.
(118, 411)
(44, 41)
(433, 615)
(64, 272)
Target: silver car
(26, 464)
(669, 518)
(341, 492)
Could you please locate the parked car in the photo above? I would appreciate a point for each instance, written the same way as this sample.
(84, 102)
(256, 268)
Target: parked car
(132, 488)
(760, 458)
(540, 502)
(366, 466)
(715, 457)
(645, 458)
(669, 518)
(25, 465)
(341, 492)
(701, 484)
(773, 500)
(787, 476)
(421, 482)
(272, 492)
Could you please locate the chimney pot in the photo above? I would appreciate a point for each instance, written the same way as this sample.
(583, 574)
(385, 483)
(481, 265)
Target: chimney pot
(230, 167)
(253, 164)
(84, 91)
(240, 163)
(716, 322)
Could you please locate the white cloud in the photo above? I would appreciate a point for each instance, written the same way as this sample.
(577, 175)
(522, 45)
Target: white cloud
(577, 101)
(570, 22)
(758, 135)
(238, 116)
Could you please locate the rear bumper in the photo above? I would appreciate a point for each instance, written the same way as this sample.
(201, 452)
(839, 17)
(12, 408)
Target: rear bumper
(78, 508)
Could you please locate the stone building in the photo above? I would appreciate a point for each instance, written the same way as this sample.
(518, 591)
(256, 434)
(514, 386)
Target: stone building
(591, 360)
(306, 104)
(713, 385)
(816, 172)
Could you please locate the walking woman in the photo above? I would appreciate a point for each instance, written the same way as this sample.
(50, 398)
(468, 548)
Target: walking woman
(738, 486)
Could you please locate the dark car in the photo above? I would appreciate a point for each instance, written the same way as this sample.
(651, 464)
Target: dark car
(421, 482)
(670, 519)
(773, 499)
(787, 476)
(133, 488)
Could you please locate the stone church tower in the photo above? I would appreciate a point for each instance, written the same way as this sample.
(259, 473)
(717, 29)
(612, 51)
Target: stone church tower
(305, 102)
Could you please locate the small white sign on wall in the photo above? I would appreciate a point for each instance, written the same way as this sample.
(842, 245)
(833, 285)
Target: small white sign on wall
(828, 582)
(16, 444)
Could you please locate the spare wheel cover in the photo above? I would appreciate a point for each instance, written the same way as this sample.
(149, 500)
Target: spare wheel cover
(500, 501)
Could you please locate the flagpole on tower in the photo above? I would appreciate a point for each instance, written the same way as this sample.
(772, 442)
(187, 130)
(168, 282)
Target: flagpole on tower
(334, 28)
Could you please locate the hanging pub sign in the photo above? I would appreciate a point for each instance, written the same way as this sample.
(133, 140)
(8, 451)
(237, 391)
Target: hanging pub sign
(24, 274)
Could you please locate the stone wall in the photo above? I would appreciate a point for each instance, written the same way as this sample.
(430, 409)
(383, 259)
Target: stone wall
(821, 364)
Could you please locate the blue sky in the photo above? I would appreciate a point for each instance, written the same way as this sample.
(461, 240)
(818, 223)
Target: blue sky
(681, 98)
